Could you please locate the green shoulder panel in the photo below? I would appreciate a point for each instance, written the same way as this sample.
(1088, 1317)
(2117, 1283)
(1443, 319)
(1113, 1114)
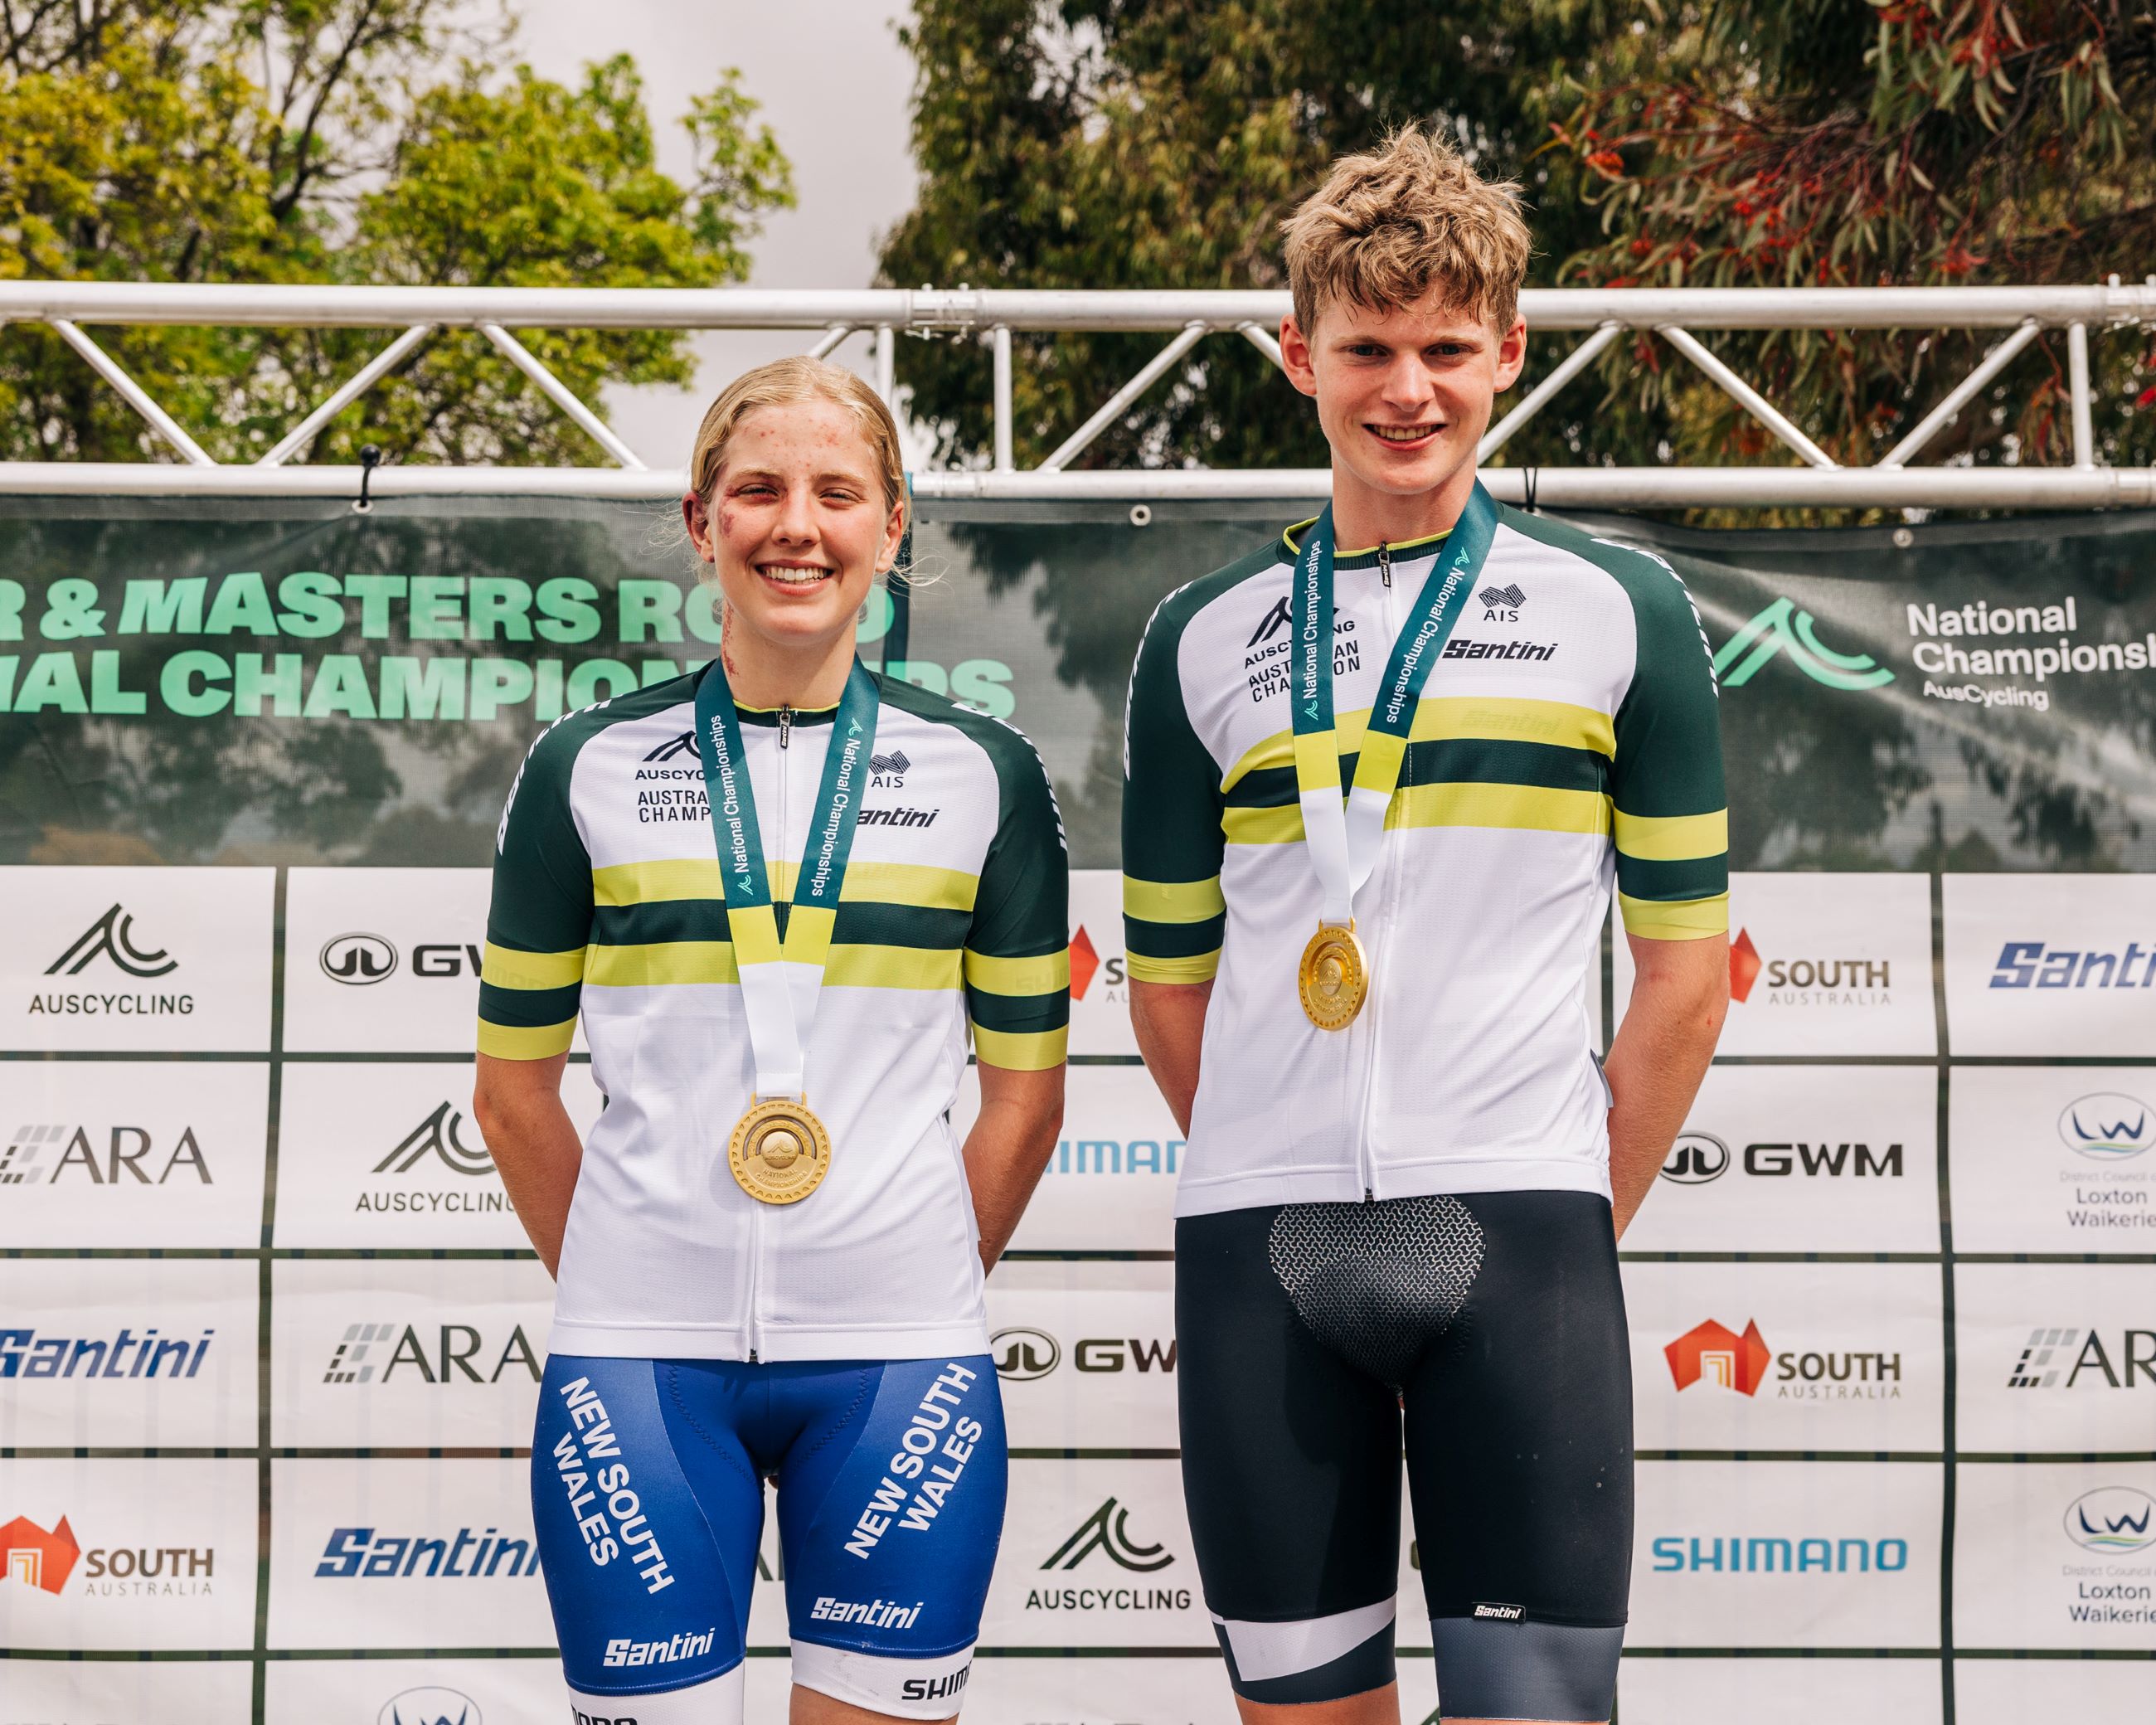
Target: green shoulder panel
(1016, 960)
(1174, 917)
(1669, 814)
(539, 919)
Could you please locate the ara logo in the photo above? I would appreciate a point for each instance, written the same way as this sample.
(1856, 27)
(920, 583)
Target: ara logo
(367, 1347)
(2107, 1127)
(358, 960)
(2082, 1353)
(1023, 1355)
(1782, 627)
(113, 936)
(888, 772)
(675, 747)
(2112, 1519)
(23, 1161)
(1502, 604)
(1695, 1159)
(1719, 1355)
(1273, 622)
(430, 1705)
(36, 1559)
(438, 1132)
(1107, 1529)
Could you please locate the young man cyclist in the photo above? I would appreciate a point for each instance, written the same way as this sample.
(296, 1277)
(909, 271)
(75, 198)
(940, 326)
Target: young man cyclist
(1379, 777)
(777, 890)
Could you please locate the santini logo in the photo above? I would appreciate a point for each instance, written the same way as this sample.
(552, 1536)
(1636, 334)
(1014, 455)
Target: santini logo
(2107, 1127)
(2113, 1520)
(437, 1132)
(1781, 628)
(430, 1706)
(2031, 964)
(113, 936)
(24, 1354)
(1107, 1529)
(358, 960)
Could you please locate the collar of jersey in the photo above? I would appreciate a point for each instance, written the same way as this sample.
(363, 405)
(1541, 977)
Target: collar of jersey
(1367, 558)
(802, 715)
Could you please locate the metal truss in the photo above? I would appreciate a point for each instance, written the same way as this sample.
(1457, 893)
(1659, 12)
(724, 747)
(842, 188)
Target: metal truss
(1673, 316)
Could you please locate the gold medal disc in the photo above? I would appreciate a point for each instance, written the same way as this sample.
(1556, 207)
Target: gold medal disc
(780, 1152)
(1334, 978)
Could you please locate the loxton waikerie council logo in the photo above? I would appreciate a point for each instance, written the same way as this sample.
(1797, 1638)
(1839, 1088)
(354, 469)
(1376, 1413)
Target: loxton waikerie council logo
(2112, 1520)
(2107, 1126)
(430, 1706)
(1783, 628)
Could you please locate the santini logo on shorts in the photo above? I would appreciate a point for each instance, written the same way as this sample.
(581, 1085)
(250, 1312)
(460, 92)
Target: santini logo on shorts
(869, 1614)
(687, 1644)
(1500, 1614)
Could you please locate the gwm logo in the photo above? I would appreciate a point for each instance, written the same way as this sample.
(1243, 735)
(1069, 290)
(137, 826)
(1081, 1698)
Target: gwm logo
(2112, 1519)
(1781, 628)
(1107, 1529)
(1719, 1355)
(2107, 1126)
(36, 1559)
(113, 935)
(1024, 1355)
(1695, 1159)
(358, 960)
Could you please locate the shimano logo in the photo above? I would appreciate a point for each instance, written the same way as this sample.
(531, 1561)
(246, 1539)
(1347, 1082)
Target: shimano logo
(113, 936)
(937, 1688)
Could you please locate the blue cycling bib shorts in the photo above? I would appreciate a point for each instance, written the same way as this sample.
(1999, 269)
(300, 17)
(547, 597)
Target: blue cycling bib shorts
(647, 1487)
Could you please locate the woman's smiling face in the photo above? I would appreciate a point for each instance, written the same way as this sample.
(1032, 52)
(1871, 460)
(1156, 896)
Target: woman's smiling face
(796, 525)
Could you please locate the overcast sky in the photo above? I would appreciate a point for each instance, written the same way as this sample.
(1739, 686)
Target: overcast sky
(834, 85)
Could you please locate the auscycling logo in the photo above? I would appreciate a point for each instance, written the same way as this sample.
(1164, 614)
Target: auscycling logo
(1782, 627)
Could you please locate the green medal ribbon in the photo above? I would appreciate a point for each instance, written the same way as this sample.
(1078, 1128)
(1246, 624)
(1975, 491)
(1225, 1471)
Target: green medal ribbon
(780, 981)
(1343, 836)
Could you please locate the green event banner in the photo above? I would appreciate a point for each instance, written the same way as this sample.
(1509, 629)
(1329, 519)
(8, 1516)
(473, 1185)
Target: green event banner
(285, 682)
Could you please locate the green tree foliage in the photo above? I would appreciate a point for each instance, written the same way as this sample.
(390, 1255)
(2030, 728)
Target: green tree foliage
(1159, 143)
(341, 141)
(1849, 142)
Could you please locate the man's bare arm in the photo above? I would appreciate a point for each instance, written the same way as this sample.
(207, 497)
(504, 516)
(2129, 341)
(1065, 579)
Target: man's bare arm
(1679, 993)
(1009, 1148)
(518, 1105)
(1169, 1019)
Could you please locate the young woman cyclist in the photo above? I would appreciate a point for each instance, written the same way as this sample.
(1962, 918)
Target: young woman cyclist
(769, 1256)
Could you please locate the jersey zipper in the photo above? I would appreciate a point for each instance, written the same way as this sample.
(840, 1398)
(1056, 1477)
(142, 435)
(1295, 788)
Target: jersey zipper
(1385, 564)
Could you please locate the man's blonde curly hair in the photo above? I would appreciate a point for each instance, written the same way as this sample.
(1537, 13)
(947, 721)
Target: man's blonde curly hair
(1390, 225)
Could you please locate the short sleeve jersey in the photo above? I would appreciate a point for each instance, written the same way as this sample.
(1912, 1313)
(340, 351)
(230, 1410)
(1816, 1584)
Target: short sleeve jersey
(607, 911)
(1567, 738)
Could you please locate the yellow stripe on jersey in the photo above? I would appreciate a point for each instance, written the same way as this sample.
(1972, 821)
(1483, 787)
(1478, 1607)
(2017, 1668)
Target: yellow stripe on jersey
(1471, 805)
(668, 963)
(889, 883)
(508, 967)
(521, 1042)
(1689, 919)
(1197, 968)
(1673, 838)
(1172, 901)
(1041, 975)
(1444, 718)
(1021, 1051)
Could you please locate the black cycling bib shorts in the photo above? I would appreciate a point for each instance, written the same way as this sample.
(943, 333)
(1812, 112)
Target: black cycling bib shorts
(1488, 1329)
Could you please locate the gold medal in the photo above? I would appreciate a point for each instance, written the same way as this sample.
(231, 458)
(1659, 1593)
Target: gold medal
(780, 1152)
(1334, 978)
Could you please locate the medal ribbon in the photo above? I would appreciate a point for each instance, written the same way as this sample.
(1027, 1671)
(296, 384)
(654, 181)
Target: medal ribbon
(1344, 835)
(782, 981)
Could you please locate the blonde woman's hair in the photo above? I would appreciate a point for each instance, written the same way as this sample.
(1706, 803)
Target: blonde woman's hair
(787, 382)
(1388, 226)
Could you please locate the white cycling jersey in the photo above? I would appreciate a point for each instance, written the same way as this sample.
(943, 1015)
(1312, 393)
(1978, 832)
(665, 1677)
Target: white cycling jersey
(607, 904)
(1568, 731)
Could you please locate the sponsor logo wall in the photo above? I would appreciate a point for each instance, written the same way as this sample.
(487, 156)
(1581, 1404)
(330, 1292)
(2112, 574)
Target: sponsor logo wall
(1905, 1241)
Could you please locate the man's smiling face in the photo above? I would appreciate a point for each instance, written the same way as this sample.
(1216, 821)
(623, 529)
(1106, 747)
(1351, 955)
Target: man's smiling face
(1403, 395)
